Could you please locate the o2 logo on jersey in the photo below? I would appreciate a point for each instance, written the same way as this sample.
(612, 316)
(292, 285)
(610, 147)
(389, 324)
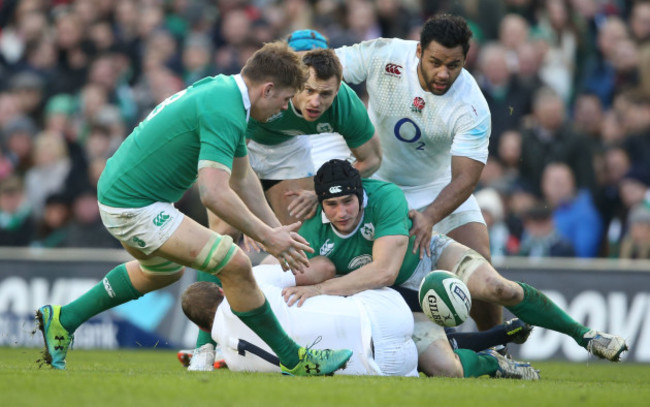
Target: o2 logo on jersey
(393, 70)
(359, 261)
(407, 131)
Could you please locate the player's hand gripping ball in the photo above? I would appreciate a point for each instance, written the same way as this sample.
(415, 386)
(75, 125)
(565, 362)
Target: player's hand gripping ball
(444, 298)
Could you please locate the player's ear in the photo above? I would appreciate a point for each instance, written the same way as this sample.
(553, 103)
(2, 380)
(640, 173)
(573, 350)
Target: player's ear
(267, 89)
(418, 51)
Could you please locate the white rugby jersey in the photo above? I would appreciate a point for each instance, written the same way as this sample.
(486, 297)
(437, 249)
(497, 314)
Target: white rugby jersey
(380, 317)
(419, 131)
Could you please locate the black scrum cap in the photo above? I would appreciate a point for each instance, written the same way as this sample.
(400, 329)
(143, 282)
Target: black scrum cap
(337, 178)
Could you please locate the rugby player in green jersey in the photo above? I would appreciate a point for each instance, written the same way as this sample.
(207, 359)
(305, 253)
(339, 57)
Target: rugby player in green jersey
(280, 153)
(326, 105)
(197, 135)
(362, 226)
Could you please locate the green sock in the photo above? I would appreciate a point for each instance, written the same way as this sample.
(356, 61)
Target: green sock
(263, 322)
(113, 290)
(205, 337)
(537, 309)
(475, 365)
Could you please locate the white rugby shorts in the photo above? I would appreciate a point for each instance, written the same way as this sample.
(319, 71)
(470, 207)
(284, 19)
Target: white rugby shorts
(420, 196)
(288, 160)
(391, 324)
(145, 229)
(426, 332)
(438, 244)
(328, 146)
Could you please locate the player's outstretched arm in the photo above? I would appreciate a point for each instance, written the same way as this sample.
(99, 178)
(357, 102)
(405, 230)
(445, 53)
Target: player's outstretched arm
(387, 254)
(281, 242)
(368, 156)
(465, 173)
(245, 183)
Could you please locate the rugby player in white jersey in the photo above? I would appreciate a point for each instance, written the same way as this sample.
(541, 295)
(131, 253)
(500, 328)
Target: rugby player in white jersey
(434, 126)
(376, 324)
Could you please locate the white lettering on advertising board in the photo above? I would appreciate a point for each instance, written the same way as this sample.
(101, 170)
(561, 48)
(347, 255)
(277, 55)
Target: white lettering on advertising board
(614, 312)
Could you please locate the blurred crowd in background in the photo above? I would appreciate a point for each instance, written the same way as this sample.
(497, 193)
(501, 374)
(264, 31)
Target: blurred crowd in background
(567, 82)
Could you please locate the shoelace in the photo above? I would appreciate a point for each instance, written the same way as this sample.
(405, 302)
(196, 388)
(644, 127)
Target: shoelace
(316, 353)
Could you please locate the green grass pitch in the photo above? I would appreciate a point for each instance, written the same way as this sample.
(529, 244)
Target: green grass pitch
(125, 378)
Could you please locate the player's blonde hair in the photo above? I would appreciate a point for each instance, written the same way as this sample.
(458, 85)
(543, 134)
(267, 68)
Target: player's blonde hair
(276, 62)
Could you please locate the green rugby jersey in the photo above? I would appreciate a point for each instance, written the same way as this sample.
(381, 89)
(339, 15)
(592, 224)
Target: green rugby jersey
(347, 116)
(159, 160)
(385, 214)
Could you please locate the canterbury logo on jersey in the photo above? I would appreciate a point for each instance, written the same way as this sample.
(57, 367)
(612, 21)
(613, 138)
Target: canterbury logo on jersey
(160, 219)
(393, 69)
(326, 248)
(335, 189)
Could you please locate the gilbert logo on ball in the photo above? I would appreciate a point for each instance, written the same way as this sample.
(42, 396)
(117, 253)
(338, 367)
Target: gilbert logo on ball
(444, 298)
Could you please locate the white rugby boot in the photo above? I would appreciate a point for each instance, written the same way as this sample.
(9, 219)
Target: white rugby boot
(605, 346)
(202, 359)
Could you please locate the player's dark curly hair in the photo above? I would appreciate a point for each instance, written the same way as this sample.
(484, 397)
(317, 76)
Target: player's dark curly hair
(325, 63)
(447, 30)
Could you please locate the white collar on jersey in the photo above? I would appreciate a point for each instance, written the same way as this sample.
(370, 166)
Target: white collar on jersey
(293, 109)
(243, 89)
(325, 220)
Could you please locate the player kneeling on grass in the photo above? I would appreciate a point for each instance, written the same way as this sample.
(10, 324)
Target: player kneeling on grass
(197, 135)
(362, 226)
(376, 325)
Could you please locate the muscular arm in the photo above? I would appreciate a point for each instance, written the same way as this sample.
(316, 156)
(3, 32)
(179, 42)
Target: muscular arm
(282, 241)
(217, 195)
(246, 184)
(320, 269)
(368, 156)
(465, 173)
(387, 256)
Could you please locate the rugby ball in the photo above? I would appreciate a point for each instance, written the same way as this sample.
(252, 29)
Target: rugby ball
(444, 298)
